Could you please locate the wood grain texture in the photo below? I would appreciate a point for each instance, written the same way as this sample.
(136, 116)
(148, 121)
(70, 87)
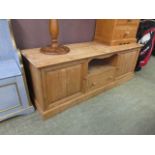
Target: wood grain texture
(77, 52)
(62, 81)
(126, 62)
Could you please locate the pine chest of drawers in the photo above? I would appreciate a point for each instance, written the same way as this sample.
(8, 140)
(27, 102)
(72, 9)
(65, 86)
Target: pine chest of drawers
(116, 32)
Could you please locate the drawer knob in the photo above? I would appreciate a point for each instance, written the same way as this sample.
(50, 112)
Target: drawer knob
(126, 34)
(117, 68)
(94, 83)
(110, 78)
(129, 20)
(85, 78)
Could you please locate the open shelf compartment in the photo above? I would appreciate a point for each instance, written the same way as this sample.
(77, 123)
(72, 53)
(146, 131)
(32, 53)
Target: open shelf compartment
(98, 65)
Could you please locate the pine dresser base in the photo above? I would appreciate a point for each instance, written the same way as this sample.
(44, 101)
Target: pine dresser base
(59, 82)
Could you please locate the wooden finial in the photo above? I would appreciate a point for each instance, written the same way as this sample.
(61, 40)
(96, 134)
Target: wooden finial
(54, 48)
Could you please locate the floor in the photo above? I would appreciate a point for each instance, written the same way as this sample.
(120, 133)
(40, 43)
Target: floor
(126, 109)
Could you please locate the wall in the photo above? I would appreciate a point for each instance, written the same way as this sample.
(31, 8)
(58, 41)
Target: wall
(32, 33)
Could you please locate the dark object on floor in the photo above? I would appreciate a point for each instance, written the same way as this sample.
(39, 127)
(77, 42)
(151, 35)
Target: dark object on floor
(138, 68)
(153, 52)
(146, 36)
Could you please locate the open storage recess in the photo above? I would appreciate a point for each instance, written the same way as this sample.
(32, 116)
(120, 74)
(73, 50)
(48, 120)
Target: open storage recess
(61, 81)
(101, 71)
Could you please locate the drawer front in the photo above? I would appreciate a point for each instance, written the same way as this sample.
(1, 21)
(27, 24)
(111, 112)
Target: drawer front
(99, 80)
(127, 21)
(124, 32)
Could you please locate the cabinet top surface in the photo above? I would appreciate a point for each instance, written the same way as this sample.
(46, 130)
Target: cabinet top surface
(77, 52)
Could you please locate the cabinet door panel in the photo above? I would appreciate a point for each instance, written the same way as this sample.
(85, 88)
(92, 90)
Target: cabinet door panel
(55, 85)
(126, 62)
(73, 75)
(62, 83)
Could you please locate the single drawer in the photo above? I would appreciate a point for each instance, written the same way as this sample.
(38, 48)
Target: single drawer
(98, 80)
(127, 21)
(124, 32)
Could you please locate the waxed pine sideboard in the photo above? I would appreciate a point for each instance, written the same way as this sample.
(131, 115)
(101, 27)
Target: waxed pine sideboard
(61, 81)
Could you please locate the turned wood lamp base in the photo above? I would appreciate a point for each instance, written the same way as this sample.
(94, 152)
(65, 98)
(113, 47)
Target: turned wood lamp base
(54, 48)
(61, 49)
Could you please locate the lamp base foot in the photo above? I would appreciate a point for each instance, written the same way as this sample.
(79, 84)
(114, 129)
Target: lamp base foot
(55, 51)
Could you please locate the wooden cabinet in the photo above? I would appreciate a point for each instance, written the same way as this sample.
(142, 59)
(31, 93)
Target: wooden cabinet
(60, 81)
(116, 32)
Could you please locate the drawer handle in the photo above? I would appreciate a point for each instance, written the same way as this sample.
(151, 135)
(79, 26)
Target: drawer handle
(110, 78)
(126, 34)
(93, 84)
(85, 78)
(117, 68)
(129, 20)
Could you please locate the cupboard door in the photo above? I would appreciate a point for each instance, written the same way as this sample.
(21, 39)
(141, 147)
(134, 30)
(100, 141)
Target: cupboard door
(61, 83)
(126, 62)
(73, 80)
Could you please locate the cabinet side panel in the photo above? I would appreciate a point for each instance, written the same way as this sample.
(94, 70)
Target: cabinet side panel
(37, 93)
